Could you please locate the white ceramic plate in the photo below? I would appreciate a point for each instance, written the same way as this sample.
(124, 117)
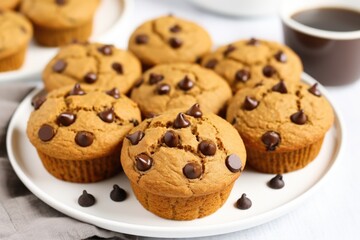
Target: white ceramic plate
(130, 217)
(108, 21)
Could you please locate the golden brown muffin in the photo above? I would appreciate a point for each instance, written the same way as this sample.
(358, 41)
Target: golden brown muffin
(78, 131)
(59, 22)
(282, 124)
(15, 34)
(182, 164)
(99, 65)
(9, 4)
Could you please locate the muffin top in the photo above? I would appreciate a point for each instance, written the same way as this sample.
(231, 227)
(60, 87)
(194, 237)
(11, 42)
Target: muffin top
(169, 39)
(180, 85)
(103, 66)
(279, 116)
(247, 62)
(59, 14)
(183, 153)
(8, 4)
(81, 122)
(15, 33)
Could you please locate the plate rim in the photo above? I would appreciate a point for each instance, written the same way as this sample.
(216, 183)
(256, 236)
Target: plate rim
(184, 231)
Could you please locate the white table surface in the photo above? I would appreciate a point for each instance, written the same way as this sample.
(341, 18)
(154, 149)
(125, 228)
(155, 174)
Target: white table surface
(333, 212)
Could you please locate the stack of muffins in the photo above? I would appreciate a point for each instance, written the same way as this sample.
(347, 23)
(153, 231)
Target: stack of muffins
(181, 158)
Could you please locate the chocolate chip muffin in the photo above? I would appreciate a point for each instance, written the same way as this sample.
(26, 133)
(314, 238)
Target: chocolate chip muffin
(15, 34)
(59, 22)
(78, 131)
(245, 63)
(169, 39)
(9, 4)
(182, 164)
(180, 85)
(282, 124)
(100, 65)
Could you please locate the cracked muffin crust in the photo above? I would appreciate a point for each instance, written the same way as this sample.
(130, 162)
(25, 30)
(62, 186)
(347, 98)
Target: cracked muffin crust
(247, 62)
(282, 124)
(9, 4)
(59, 22)
(180, 85)
(182, 164)
(169, 39)
(78, 131)
(99, 65)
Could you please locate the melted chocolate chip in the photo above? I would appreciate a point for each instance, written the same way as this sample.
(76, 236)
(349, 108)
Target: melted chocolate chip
(66, 119)
(233, 163)
(186, 84)
(211, 63)
(276, 182)
(117, 67)
(118, 194)
(105, 50)
(46, 133)
(271, 140)
(139, 82)
(163, 88)
(114, 93)
(143, 162)
(280, 87)
(90, 77)
(86, 199)
(37, 101)
(155, 78)
(207, 147)
(175, 29)
(135, 137)
(194, 111)
(181, 121)
(280, 56)
(299, 117)
(192, 170)
(171, 139)
(77, 90)
(84, 139)
(175, 42)
(253, 42)
(134, 122)
(230, 48)
(242, 75)
(244, 202)
(314, 90)
(59, 66)
(107, 115)
(268, 71)
(60, 2)
(141, 39)
(250, 103)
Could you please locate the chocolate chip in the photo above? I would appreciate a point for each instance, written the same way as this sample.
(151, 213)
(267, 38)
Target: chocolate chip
(230, 48)
(84, 139)
(60, 2)
(271, 140)
(280, 87)
(175, 29)
(105, 50)
(77, 90)
(211, 63)
(194, 111)
(86, 199)
(250, 103)
(280, 56)
(146, 115)
(46, 132)
(107, 115)
(268, 71)
(276, 182)
(139, 82)
(90, 77)
(242, 75)
(207, 147)
(117, 67)
(135, 137)
(118, 194)
(233, 163)
(192, 170)
(66, 119)
(59, 66)
(134, 122)
(141, 39)
(198, 60)
(114, 93)
(155, 78)
(37, 101)
(163, 88)
(175, 42)
(171, 139)
(314, 90)
(143, 162)
(181, 121)
(243, 203)
(253, 42)
(299, 117)
(186, 84)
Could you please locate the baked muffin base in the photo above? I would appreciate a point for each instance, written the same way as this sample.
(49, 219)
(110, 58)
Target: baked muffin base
(177, 208)
(13, 61)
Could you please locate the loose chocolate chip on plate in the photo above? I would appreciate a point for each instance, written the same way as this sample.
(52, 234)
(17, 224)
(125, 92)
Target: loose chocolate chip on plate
(250, 103)
(77, 90)
(268, 71)
(175, 42)
(135, 137)
(107, 115)
(253, 42)
(117, 67)
(194, 111)
(143, 162)
(90, 77)
(192, 170)
(230, 48)
(155, 78)
(299, 117)
(233, 163)
(38, 101)
(271, 140)
(314, 90)
(114, 93)
(163, 88)
(280, 56)
(280, 87)
(171, 139)
(59, 66)
(181, 121)
(141, 39)
(66, 119)
(86, 199)
(211, 64)
(242, 75)
(186, 84)
(46, 132)
(244, 202)
(84, 139)
(118, 194)
(207, 147)
(175, 29)
(276, 182)
(106, 50)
